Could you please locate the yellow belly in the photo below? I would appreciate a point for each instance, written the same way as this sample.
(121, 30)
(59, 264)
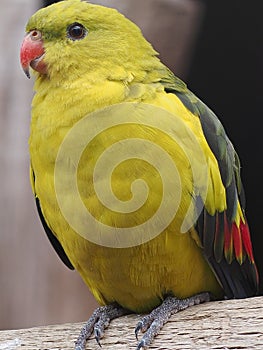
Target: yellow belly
(139, 277)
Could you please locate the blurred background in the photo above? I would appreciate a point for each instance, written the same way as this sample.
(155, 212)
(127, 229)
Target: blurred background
(215, 46)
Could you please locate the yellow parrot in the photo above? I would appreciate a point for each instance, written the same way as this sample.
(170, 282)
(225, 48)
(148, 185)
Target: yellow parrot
(136, 182)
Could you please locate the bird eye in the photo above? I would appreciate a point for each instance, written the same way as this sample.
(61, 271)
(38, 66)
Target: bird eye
(35, 35)
(76, 31)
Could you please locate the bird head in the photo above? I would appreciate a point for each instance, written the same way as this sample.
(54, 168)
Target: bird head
(73, 37)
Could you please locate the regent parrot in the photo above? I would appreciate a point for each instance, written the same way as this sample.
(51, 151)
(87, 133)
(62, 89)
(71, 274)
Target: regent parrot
(98, 84)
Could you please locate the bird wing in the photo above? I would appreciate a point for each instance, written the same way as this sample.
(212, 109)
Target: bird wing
(225, 240)
(52, 238)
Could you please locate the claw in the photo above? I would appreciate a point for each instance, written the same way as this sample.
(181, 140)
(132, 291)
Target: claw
(141, 345)
(138, 328)
(98, 335)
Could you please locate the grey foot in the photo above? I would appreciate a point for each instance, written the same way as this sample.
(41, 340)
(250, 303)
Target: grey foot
(152, 324)
(98, 322)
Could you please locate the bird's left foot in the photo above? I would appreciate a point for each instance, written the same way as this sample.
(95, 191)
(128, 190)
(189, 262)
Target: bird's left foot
(152, 324)
(98, 322)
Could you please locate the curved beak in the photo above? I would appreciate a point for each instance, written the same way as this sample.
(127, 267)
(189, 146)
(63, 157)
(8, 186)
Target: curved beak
(32, 53)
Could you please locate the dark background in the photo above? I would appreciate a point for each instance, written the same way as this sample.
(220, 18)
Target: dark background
(227, 73)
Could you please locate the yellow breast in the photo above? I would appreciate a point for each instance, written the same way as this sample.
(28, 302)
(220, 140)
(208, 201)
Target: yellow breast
(116, 187)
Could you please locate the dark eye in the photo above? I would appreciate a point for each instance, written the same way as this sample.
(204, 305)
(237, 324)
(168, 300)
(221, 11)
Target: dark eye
(76, 31)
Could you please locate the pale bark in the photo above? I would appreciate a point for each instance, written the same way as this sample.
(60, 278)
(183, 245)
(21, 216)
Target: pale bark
(234, 324)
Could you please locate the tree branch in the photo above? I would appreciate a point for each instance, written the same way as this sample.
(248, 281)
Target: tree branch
(232, 324)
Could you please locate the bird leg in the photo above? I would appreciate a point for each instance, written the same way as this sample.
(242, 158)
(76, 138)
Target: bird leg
(153, 323)
(98, 322)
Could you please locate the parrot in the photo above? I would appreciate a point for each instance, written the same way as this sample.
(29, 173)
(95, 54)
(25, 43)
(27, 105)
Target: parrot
(136, 183)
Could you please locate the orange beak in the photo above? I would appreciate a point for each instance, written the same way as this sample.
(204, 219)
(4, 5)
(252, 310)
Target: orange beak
(32, 53)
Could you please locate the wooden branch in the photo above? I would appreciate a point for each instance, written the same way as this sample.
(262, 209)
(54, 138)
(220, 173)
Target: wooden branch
(232, 324)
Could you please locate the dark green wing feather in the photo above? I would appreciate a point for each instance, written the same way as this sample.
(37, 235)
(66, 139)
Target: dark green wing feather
(52, 238)
(227, 248)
